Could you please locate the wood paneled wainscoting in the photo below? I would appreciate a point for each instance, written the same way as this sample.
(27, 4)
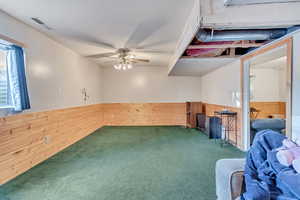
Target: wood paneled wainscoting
(28, 139)
(269, 109)
(209, 110)
(144, 114)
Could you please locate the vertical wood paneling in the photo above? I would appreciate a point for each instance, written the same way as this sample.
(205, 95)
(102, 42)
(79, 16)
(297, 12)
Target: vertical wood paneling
(267, 109)
(123, 114)
(28, 139)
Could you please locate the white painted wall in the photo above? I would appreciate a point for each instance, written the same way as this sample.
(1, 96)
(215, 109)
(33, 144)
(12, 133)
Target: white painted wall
(148, 84)
(217, 86)
(296, 88)
(55, 74)
(269, 82)
(222, 86)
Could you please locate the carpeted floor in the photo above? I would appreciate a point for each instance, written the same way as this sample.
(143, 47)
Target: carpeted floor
(126, 163)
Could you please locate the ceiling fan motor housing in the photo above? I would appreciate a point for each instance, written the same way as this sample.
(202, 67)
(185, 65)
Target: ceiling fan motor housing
(123, 52)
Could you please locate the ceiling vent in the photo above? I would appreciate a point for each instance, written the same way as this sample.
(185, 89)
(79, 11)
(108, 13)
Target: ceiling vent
(251, 2)
(40, 22)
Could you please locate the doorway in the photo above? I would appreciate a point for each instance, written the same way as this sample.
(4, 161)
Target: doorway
(266, 86)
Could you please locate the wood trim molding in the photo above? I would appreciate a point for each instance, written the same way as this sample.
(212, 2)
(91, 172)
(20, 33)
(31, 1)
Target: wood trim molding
(13, 41)
(262, 50)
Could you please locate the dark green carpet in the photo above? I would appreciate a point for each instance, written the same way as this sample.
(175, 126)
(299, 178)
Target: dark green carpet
(126, 163)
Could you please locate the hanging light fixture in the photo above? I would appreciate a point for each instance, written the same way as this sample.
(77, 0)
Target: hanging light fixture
(124, 56)
(123, 65)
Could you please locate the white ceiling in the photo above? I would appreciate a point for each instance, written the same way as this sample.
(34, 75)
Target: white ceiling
(83, 24)
(199, 66)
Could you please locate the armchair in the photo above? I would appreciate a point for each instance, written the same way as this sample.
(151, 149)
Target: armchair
(229, 178)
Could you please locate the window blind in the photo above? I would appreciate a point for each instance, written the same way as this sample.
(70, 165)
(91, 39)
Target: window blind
(3, 80)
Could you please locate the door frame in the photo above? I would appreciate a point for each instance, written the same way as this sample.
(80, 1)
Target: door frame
(245, 66)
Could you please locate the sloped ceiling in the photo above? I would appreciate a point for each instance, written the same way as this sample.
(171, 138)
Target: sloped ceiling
(83, 24)
(198, 66)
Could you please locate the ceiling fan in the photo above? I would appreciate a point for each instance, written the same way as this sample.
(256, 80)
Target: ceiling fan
(122, 54)
(124, 57)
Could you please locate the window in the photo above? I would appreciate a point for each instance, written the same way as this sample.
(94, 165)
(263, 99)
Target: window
(13, 87)
(4, 95)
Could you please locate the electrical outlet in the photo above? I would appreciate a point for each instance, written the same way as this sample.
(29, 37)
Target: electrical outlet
(47, 139)
(85, 95)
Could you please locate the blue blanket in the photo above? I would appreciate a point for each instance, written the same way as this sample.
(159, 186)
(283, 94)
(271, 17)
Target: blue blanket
(265, 177)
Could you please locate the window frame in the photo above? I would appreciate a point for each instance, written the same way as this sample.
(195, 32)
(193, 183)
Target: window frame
(6, 41)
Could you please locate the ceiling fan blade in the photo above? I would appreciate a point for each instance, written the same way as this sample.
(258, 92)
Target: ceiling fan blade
(145, 30)
(113, 58)
(103, 45)
(139, 60)
(102, 55)
(89, 40)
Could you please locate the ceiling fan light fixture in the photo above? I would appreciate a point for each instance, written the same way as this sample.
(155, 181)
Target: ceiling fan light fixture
(118, 67)
(123, 66)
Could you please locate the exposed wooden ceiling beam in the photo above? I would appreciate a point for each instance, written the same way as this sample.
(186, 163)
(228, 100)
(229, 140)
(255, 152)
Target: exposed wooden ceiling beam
(225, 46)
